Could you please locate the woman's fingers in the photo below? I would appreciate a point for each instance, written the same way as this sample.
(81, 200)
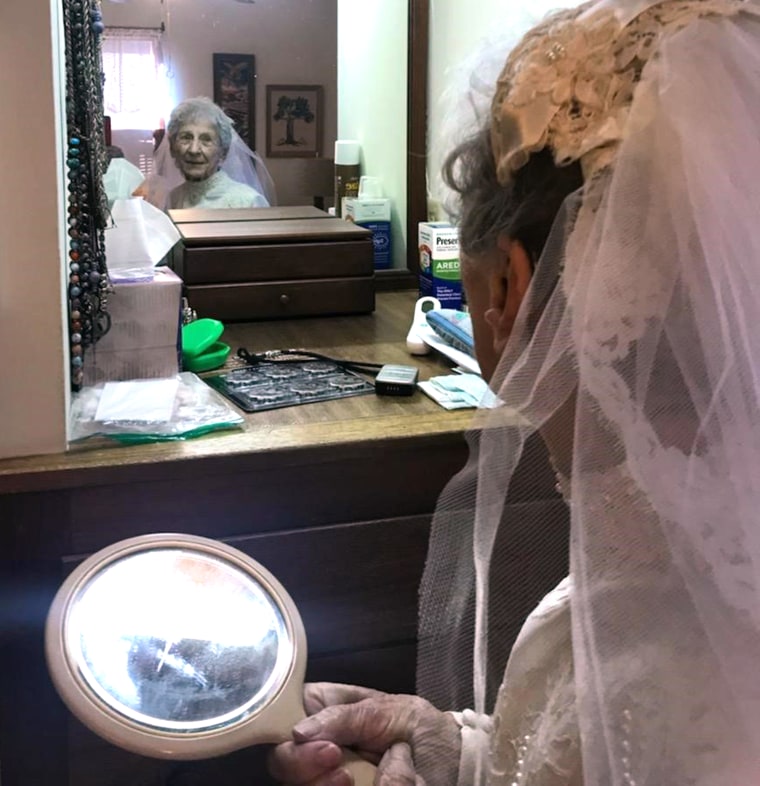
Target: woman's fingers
(396, 768)
(370, 724)
(318, 695)
(306, 763)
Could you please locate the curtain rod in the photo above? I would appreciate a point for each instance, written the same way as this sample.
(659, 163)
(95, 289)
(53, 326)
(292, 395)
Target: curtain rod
(160, 29)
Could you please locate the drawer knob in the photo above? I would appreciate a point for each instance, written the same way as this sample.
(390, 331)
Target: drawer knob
(284, 299)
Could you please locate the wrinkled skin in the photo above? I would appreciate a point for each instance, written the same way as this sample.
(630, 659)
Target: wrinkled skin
(197, 150)
(412, 742)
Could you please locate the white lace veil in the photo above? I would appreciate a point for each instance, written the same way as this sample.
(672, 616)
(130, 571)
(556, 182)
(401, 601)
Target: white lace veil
(635, 356)
(241, 163)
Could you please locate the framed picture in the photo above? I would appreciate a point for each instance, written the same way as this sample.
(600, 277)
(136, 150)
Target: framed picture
(294, 121)
(235, 92)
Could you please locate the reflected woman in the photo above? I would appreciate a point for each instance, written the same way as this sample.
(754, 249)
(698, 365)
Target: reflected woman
(203, 163)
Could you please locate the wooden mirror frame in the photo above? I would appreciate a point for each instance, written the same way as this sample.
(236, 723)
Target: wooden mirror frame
(416, 115)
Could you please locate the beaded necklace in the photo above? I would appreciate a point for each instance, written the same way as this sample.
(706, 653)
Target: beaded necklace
(86, 162)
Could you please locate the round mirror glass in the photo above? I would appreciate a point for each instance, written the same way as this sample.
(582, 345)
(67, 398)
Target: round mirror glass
(177, 640)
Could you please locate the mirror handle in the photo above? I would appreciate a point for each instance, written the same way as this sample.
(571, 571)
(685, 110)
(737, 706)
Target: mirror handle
(362, 771)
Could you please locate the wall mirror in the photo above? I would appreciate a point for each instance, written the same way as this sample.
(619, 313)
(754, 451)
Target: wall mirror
(288, 42)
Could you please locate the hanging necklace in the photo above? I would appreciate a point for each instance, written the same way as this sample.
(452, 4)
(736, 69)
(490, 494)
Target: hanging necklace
(86, 163)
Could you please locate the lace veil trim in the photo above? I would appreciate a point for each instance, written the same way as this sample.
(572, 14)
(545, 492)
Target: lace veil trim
(565, 86)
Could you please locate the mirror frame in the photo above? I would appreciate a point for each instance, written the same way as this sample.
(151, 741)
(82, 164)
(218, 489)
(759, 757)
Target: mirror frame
(416, 153)
(416, 117)
(274, 720)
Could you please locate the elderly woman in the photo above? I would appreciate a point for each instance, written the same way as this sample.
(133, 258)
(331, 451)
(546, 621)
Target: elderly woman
(609, 216)
(205, 164)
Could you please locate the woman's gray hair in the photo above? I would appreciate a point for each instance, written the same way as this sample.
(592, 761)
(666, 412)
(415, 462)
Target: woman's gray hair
(200, 108)
(523, 209)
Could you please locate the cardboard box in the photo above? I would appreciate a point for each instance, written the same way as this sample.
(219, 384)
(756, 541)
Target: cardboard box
(144, 341)
(440, 274)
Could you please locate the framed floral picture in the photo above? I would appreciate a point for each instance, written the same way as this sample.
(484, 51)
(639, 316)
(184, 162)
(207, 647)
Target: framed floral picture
(294, 121)
(235, 92)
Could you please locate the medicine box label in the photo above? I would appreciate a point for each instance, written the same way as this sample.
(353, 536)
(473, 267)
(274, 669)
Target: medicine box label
(440, 274)
(375, 215)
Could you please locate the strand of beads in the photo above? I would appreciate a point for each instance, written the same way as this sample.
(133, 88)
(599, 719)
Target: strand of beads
(86, 162)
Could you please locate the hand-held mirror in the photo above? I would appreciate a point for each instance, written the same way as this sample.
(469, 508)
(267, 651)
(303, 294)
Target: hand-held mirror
(180, 647)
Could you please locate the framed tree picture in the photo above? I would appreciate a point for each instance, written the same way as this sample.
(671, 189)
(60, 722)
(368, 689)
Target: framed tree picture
(235, 92)
(294, 121)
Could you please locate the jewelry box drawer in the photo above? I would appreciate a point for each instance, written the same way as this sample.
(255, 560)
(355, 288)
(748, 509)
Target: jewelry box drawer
(250, 263)
(283, 299)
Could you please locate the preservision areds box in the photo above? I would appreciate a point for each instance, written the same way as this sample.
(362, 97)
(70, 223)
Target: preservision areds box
(440, 274)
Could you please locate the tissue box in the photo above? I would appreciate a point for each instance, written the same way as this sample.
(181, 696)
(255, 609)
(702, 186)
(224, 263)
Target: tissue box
(144, 341)
(440, 275)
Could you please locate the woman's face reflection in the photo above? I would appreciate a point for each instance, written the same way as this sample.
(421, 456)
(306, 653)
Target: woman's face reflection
(197, 150)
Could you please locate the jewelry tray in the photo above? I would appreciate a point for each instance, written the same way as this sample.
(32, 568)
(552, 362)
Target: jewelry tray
(287, 384)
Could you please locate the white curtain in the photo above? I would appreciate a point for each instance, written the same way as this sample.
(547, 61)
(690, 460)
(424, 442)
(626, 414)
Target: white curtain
(136, 85)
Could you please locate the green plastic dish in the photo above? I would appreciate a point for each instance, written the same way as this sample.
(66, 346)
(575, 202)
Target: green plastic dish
(213, 357)
(199, 336)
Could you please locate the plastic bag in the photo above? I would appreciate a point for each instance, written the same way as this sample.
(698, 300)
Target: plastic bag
(150, 410)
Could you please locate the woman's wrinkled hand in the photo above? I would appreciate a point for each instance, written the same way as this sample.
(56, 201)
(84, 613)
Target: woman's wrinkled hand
(411, 741)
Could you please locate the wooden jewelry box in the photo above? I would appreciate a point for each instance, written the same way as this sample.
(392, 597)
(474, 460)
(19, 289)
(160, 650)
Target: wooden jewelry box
(270, 263)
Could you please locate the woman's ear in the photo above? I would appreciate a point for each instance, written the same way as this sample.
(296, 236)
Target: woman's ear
(508, 284)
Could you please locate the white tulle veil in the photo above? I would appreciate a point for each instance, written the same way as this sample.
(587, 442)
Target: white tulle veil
(636, 356)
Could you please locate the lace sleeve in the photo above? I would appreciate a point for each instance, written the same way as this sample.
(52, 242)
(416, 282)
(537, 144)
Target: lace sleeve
(535, 740)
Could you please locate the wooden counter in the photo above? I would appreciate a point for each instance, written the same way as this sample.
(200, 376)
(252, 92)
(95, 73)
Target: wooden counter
(334, 498)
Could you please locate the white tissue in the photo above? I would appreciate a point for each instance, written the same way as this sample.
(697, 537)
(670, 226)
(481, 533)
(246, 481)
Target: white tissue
(140, 238)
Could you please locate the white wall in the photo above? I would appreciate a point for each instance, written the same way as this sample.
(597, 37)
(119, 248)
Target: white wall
(372, 76)
(293, 41)
(33, 366)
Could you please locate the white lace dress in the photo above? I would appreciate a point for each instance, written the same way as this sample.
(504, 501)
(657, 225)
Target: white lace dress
(217, 191)
(533, 737)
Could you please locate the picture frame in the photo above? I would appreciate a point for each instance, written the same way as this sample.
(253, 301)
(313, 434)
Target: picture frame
(294, 121)
(235, 92)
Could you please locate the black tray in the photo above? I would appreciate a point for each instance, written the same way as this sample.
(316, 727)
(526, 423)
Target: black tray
(285, 383)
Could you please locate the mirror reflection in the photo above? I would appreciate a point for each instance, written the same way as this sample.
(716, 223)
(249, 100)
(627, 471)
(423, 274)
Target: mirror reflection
(158, 53)
(202, 162)
(177, 640)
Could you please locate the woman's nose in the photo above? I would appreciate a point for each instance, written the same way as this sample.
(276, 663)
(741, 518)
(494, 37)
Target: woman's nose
(195, 146)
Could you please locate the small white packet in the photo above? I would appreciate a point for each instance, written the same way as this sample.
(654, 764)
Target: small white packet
(458, 391)
(142, 400)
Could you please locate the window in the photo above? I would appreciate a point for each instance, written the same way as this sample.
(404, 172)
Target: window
(136, 88)
(135, 91)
